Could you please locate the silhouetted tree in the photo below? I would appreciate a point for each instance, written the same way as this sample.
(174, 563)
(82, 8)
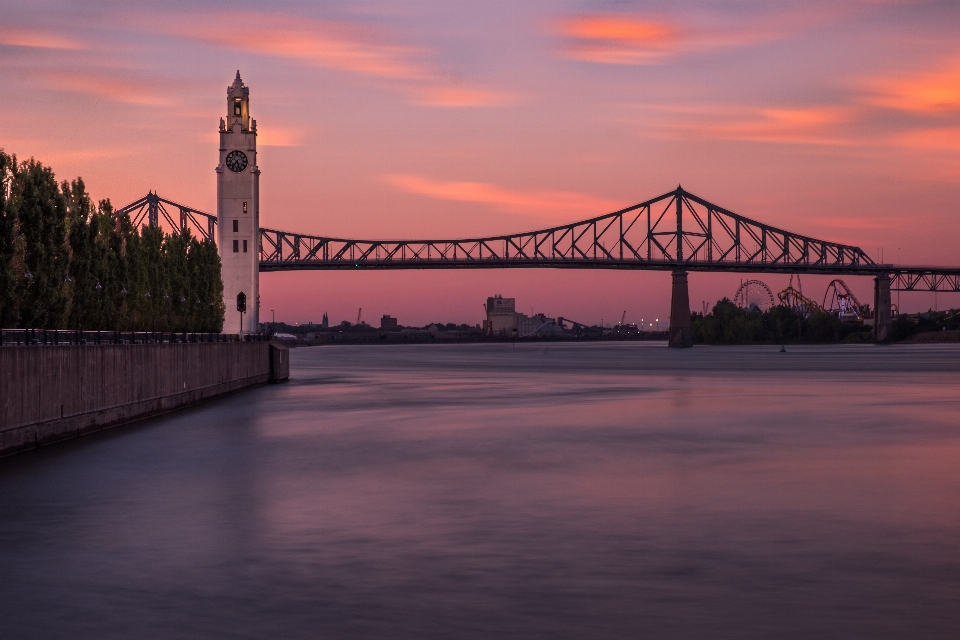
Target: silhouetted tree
(65, 263)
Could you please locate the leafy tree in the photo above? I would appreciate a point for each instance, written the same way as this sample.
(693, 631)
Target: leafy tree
(67, 263)
(41, 212)
(729, 324)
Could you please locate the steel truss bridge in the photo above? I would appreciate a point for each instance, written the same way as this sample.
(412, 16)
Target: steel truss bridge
(674, 231)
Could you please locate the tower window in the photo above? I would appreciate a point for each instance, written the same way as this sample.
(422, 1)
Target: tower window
(236, 107)
(236, 246)
(236, 226)
(244, 207)
(244, 246)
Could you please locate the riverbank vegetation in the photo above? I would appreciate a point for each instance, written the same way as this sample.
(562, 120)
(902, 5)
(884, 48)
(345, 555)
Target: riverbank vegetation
(68, 263)
(729, 324)
(929, 325)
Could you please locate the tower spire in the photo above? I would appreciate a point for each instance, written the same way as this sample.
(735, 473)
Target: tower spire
(238, 212)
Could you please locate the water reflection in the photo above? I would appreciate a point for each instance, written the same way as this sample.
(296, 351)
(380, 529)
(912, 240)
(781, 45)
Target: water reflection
(478, 491)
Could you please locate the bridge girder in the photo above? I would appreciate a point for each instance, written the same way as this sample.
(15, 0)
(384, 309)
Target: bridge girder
(677, 230)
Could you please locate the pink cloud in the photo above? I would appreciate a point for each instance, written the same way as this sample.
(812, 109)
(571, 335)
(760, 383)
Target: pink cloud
(332, 45)
(799, 125)
(22, 37)
(459, 96)
(340, 46)
(552, 204)
(123, 89)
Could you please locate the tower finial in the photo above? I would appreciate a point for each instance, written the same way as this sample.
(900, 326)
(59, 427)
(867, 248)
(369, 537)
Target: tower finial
(238, 76)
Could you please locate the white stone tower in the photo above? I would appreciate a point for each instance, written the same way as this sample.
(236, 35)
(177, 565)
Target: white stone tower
(238, 212)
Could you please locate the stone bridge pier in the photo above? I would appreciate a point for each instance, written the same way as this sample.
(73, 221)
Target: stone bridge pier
(882, 316)
(680, 334)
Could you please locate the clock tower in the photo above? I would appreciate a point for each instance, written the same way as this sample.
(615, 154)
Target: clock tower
(238, 213)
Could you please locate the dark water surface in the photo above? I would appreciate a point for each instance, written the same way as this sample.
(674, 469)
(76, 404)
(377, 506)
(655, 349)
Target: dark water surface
(489, 491)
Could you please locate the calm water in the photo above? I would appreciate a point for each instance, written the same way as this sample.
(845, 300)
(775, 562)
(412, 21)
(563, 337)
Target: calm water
(583, 491)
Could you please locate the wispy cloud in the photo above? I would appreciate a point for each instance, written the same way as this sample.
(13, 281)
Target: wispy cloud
(24, 37)
(935, 92)
(636, 39)
(618, 39)
(352, 48)
(816, 125)
(629, 40)
(332, 45)
(543, 203)
(117, 88)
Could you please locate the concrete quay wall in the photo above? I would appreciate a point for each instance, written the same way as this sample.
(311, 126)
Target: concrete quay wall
(54, 393)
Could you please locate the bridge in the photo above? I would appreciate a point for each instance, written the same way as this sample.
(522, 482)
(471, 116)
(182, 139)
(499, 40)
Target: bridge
(677, 231)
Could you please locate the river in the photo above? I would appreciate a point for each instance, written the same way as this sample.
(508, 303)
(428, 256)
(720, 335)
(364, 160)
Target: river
(538, 490)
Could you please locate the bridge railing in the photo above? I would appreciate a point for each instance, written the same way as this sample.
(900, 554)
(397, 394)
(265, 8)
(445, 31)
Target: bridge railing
(50, 337)
(925, 279)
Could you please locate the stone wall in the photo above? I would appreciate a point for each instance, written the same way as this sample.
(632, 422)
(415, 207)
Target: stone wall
(53, 393)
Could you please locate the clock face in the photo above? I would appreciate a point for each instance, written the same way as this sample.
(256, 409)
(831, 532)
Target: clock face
(236, 161)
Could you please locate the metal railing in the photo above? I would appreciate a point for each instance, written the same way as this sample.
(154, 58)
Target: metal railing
(41, 337)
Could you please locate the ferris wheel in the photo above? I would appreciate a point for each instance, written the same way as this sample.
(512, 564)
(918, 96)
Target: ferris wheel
(753, 295)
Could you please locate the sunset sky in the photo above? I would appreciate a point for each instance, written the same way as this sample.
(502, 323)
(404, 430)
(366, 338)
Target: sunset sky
(838, 119)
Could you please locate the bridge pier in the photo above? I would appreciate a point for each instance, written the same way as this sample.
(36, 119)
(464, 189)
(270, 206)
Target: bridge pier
(681, 335)
(882, 317)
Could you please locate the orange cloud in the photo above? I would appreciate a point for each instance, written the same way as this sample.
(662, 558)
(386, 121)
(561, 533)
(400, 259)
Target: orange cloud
(19, 37)
(935, 92)
(539, 203)
(618, 40)
(611, 38)
(351, 48)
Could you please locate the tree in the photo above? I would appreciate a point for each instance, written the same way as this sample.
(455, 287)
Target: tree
(65, 263)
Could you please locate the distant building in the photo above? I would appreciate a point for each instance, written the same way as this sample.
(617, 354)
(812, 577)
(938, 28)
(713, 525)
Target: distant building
(502, 316)
(539, 326)
(326, 321)
(389, 324)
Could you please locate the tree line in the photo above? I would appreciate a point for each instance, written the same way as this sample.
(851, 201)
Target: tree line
(729, 324)
(68, 263)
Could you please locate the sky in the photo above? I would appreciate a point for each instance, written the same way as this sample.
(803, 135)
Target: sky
(837, 119)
